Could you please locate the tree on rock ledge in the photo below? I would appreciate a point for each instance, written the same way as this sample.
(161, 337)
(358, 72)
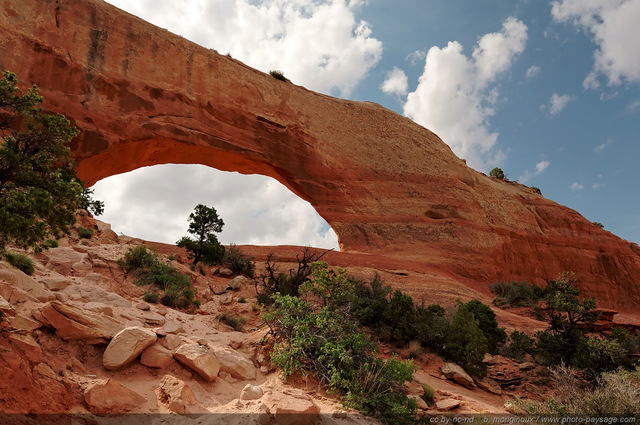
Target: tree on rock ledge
(39, 192)
(203, 223)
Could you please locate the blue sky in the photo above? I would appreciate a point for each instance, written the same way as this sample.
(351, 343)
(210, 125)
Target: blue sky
(549, 91)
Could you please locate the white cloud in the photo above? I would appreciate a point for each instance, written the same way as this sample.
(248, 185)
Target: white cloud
(557, 103)
(396, 82)
(455, 94)
(576, 186)
(533, 71)
(153, 203)
(613, 25)
(602, 147)
(540, 167)
(317, 43)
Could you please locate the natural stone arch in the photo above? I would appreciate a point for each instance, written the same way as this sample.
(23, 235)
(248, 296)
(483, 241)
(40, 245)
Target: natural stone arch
(144, 96)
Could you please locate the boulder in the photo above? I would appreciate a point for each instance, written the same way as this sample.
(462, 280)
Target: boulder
(176, 394)
(291, 407)
(126, 346)
(200, 359)
(235, 363)
(107, 396)
(173, 327)
(420, 403)
(251, 392)
(457, 374)
(143, 306)
(56, 283)
(17, 279)
(447, 405)
(24, 323)
(156, 356)
(28, 345)
(238, 282)
(526, 366)
(99, 308)
(171, 342)
(72, 323)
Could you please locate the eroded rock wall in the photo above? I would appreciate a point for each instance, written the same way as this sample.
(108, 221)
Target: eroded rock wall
(143, 96)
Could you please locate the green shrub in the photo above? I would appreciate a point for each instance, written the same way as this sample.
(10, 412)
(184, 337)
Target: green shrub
(429, 393)
(333, 347)
(51, 243)
(370, 301)
(399, 319)
(21, 262)
(516, 294)
(238, 262)
(150, 270)
(85, 233)
(520, 345)
(235, 322)
(486, 319)
(136, 258)
(432, 326)
(497, 173)
(466, 344)
(205, 248)
(150, 297)
(536, 190)
(599, 355)
(278, 75)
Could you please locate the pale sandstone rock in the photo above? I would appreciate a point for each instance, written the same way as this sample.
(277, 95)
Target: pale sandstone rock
(73, 323)
(420, 403)
(238, 282)
(156, 356)
(171, 342)
(108, 396)
(126, 346)
(457, 374)
(291, 407)
(526, 366)
(24, 323)
(251, 392)
(143, 306)
(99, 308)
(17, 279)
(176, 394)
(199, 359)
(234, 363)
(173, 327)
(28, 345)
(447, 405)
(56, 283)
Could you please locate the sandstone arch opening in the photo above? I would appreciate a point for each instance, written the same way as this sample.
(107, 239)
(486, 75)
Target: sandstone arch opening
(153, 203)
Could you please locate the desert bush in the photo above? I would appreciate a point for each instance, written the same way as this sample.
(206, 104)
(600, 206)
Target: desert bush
(278, 75)
(150, 297)
(273, 281)
(21, 262)
(516, 294)
(238, 262)
(204, 247)
(235, 322)
(370, 300)
(486, 319)
(520, 345)
(399, 319)
(466, 344)
(414, 349)
(432, 326)
(150, 270)
(51, 243)
(536, 190)
(332, 346)
(497, 173)
(85, 233)
(598, 355)
(429, 393)
(613, 393)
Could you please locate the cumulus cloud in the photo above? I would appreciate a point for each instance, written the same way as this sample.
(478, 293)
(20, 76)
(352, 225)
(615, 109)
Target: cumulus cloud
(613, 27)
(576, 186)
(557, 103)
(456, 93)
(540, 167)
(317, 43)
(153, 203)
(533, 71)
(396, 82)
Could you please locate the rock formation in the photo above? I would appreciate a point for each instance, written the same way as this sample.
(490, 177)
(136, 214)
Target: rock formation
(143, 96)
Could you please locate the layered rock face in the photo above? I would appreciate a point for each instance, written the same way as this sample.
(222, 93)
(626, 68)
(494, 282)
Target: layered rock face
(143, 96)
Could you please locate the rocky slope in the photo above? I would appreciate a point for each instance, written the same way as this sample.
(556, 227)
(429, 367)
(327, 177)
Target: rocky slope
(77, 338)
(144, 96)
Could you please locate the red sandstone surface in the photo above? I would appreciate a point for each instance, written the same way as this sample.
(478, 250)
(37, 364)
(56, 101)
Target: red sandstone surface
(391, 189)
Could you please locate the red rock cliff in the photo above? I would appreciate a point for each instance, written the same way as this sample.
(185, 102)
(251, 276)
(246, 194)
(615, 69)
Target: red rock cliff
(144, 96)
